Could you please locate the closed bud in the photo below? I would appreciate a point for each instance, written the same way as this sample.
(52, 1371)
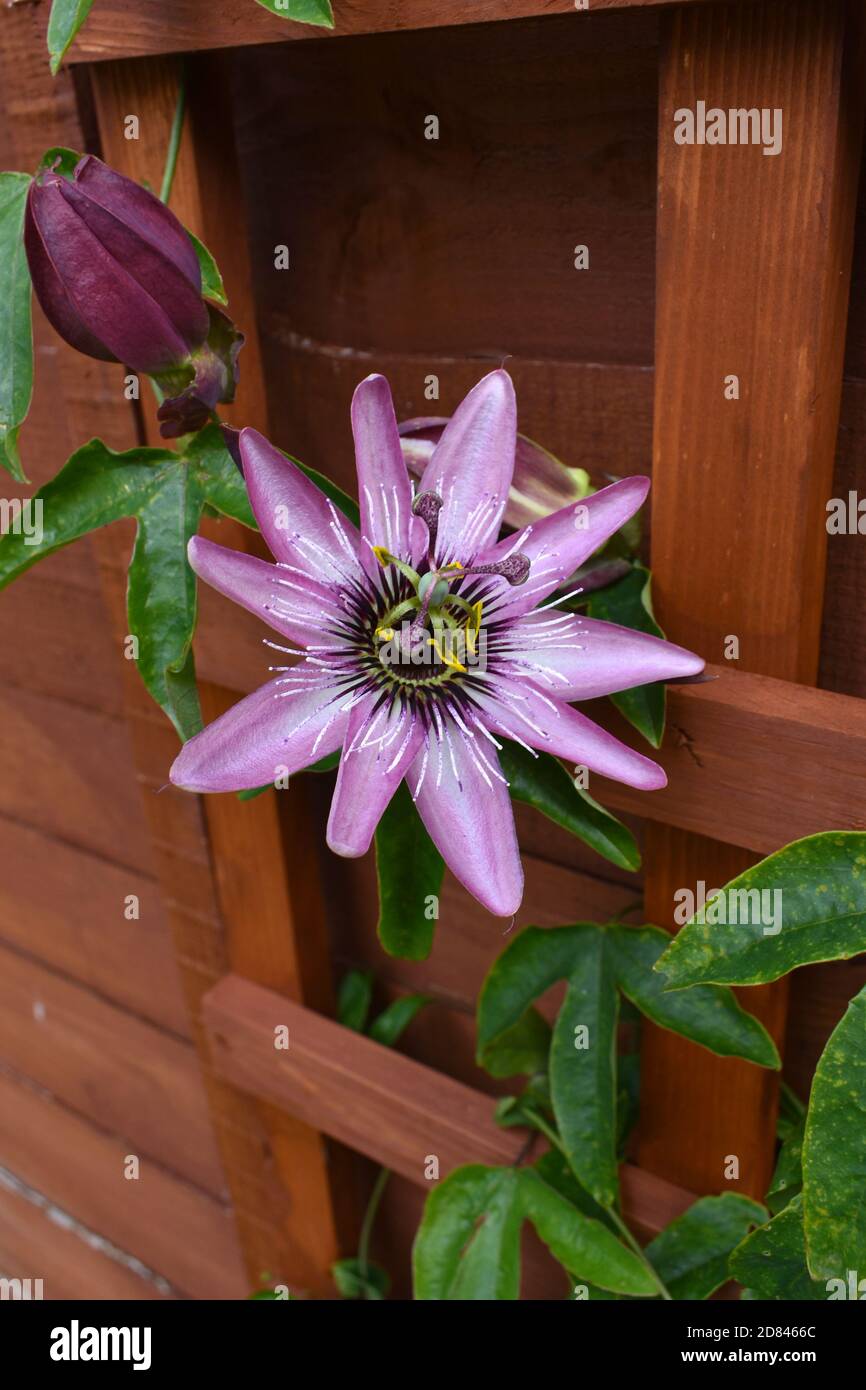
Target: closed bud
(119, 279)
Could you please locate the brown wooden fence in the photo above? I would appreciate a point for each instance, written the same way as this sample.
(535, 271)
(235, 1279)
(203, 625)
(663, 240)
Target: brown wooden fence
(154, 1037)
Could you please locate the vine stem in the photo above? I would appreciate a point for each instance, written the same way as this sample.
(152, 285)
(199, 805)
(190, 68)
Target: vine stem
(174, 138)
(550, 1134)
(630, 1240)
(369, 1217)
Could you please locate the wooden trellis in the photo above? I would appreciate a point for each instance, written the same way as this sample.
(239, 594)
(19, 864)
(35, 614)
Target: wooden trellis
(752, 272)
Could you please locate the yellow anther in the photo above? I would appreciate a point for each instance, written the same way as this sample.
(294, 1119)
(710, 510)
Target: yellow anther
(473, 626)
(384, 556)
(448, 660)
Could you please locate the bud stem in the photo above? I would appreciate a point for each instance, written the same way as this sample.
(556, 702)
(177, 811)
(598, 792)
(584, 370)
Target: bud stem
(174, 137)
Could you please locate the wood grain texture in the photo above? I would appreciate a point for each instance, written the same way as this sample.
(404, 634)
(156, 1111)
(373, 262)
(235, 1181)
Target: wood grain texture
(182, 1234)
(460, 247)
(754, 762)
(37, 1245)
(71, 783)
(170, 26)
(387, 1106)
(233, 901)
(68, 910)
(752, 278)
(112, 1067)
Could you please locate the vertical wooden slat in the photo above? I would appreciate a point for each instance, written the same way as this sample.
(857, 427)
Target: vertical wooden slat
(754, 255)
(242, 895)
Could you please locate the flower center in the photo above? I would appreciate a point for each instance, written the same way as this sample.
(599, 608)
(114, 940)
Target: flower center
(431, 634)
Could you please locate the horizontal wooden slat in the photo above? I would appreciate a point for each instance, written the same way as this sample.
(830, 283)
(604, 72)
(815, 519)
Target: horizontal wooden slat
(67, 908)
(34, 1246)
(179, 1232)
(386, 1106)
(167, 26)
(67, 771)
(756, 762)
(119, 1071)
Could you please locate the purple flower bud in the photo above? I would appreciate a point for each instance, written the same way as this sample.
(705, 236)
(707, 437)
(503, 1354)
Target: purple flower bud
(113, 269)
(541, 483)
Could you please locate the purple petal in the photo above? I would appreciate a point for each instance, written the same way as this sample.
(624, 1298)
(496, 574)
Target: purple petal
(300, 525)
(384, 489)
(578, 658)
(379, 748)
(290, 603)
(559, 544)
(281, 728)
(57, 305)
(142, 211)
(471, 468)
(520, 711)
(466, 809)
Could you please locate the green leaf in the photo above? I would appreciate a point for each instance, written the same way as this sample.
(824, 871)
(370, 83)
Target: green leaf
(393, 1021)
(834, 1152)
(544, 784)
(787, 1180)
(521, 1050)
(468, 1244)
(67, 17)
(219, 479)
(95, 487)
(707, 1014)
(353, 999)
(212, 286)
(771, 1262)
(16, 334)
(586, 1248)
(583, 1084)
(61, 160)
(791, 1111)
(303, 11)
(354, 1280)
(526, 969)
(409, 870)
(161, 597)
(807, 902)
(553, 1169)
(691, 1254)
(628, 603)
(98, 486)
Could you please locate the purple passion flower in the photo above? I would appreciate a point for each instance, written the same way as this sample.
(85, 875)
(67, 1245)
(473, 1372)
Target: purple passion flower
(421, 640)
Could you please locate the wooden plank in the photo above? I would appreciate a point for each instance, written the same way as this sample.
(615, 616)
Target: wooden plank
(37, 1245)
(755, 762)
(76, 753)
(256, 917)
(115, 30)
(753, 269)
(385, 1105)
(68, 909)
(117, 1070)
(184, 1235)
